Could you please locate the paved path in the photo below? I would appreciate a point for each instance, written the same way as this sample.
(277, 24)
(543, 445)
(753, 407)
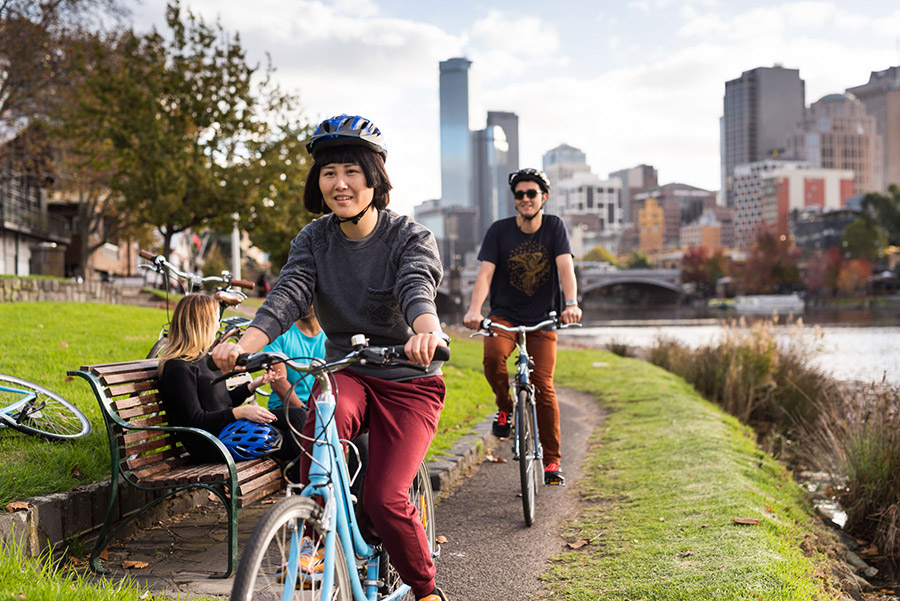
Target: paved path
(490, 554)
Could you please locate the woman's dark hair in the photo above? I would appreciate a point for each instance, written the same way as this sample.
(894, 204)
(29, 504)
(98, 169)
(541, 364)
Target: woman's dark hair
(371, 163)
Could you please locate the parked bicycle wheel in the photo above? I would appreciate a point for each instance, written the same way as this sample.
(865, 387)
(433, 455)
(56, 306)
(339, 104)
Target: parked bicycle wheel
(420, 495)
(34, 410)
(157, 348)
(268, 568)
(528, 460)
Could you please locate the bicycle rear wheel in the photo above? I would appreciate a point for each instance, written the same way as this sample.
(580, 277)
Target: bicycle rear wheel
(528, 468)
(34, 410)
(422, 497)
(267, 569)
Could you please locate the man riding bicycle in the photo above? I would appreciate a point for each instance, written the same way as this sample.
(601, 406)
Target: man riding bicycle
(525, 260)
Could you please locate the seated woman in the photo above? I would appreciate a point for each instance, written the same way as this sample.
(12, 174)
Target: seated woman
(191, 399)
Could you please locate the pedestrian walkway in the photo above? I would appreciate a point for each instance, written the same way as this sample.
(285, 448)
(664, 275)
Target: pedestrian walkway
(180, 555)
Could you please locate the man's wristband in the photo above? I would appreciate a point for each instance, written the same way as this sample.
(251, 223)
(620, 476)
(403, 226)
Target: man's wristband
(571, 303)
(442, 335)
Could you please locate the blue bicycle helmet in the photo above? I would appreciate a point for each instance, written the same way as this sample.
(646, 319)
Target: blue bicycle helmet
(530, 175)
(249, 440)
(342, 130)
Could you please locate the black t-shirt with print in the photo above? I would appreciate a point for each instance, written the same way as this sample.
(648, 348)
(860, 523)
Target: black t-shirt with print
(525, 286)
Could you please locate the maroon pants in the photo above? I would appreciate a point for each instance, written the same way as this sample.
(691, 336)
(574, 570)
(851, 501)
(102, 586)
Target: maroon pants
(402, 418)
(542, 348)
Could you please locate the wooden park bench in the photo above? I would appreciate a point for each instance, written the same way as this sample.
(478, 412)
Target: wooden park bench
(145, 452)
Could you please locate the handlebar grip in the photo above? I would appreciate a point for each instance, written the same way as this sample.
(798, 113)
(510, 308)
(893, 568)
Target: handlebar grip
(243, 284)
(146, 254)
(442, 353)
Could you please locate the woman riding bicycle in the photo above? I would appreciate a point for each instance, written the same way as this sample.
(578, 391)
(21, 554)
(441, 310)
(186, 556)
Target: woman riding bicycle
(190, 399)
(369, 271)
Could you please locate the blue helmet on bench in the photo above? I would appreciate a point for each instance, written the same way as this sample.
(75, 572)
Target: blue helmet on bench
(249, 440)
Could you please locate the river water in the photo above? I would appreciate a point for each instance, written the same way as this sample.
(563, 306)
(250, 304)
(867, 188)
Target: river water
(854, 345)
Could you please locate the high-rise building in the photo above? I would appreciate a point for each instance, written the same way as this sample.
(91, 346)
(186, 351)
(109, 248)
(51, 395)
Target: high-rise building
(789, 190)
(760, 108)
(490, 169)
(650, 227)
(509, 123)
(561, 163)
(837, 133)
(634, 180)
(681, 204)
(881, 95)
(456, 151)
(748, 190)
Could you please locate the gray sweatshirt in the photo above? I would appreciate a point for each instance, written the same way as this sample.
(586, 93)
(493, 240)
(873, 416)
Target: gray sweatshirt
(375, 286)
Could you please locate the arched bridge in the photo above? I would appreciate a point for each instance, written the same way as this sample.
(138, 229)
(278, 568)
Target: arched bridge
(591, 278)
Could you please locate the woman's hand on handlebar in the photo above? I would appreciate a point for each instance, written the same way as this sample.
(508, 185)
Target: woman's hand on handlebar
(420, 348)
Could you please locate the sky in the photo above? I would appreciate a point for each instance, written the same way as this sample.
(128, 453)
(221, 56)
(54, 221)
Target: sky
(628, 82)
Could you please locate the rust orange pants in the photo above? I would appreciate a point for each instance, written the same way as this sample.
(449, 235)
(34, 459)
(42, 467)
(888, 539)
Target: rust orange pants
(542, 348)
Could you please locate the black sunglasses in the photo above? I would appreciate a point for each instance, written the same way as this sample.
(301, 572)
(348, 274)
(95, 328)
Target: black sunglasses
(520, 194)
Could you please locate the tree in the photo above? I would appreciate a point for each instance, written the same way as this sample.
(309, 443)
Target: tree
(638, 260)
(188, 125)
(863, 239)
(693, 268)
(772, 265)
(37, 43)
(601, 255)
(886, 209)
(854, 275)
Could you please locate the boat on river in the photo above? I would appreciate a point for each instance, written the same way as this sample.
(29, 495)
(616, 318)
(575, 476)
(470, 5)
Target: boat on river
(768, 303)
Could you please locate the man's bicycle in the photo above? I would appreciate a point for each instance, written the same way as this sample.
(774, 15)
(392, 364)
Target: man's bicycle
(34, 410)
(322, 513)
(226, 292)
(526, 446)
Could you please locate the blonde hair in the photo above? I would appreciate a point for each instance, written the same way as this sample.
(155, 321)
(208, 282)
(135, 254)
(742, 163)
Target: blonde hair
(193, 329)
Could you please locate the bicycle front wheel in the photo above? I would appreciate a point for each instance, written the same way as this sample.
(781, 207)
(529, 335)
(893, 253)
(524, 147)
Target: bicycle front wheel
(422, 497)
(34, 410)
(268, 568)
(157, 347)
(528, 460)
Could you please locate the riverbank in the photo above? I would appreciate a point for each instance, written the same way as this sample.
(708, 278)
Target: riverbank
(678, 502)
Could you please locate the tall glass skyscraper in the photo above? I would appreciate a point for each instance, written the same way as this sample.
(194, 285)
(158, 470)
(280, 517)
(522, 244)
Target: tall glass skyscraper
(456, 149)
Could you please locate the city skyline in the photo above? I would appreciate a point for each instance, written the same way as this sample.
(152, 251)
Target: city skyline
(638, 83)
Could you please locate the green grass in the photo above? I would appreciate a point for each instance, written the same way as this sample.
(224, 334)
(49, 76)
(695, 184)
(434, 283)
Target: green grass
(664, 479)
(41, 341)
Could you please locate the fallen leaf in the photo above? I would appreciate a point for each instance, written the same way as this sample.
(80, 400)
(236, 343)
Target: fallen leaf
(22, 595)
(104, 554)
(18, 506)
(74, 561)
(132, 564)
(76, 472)
(212, 497)
(769, 508)
(69, 379)
(577, 544)
(686, 553)
(489, 458)
(441, 539)
(662, 519)
(704, 525)
(63, 344)
(746, 521)
(869, 551)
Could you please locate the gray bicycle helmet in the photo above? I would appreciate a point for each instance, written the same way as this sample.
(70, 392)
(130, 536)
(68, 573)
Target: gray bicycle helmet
(342, 130)
(529, 175)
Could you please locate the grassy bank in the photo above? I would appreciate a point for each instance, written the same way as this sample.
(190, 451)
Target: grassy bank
(665, 480)
(41, 341)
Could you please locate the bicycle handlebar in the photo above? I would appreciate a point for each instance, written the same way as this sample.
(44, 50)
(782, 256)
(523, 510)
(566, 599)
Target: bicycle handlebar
(159, 263)
(371, 355)
(487, 325)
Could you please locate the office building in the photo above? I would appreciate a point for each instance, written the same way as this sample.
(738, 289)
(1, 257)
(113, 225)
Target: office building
(881, 96)
(681, 204)
(456, 152)
(786, 191)
(561, 163)
(747, 190)
(509, 123)
(837, 133)
(705, 232)
(760, 108)
(635, 180)
(650, 227)
(490, 152)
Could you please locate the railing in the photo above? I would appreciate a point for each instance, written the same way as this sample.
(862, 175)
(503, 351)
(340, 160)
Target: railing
(31, 221)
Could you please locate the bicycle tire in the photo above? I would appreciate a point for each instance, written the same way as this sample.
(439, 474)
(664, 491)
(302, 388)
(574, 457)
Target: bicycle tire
(268, 548)
(157, 347)
(422, 497)
(527, 454)
(47, 415)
